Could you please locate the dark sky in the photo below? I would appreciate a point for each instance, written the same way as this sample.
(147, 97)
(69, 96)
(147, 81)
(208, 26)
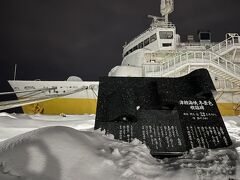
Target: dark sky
(51, 40)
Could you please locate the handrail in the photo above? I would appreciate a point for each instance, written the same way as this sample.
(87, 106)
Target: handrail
(193, 57)
(227, 43)
(210, 55)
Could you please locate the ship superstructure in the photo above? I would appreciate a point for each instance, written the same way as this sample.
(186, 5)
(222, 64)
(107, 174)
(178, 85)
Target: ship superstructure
(158, 52)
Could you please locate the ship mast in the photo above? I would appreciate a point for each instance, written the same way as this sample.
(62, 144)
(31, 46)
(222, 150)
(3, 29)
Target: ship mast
(166, 7)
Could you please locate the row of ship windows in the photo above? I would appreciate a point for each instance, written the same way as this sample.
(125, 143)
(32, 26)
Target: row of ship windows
(162, 35)
(142, 44)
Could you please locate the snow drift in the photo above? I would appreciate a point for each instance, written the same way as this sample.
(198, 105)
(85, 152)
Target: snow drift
(64, 153)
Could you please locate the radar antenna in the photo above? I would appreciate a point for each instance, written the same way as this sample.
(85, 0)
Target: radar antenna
(156, 21)
(155, 18)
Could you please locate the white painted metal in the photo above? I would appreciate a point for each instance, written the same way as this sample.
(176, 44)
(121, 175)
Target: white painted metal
(227, 45)
(209, 59)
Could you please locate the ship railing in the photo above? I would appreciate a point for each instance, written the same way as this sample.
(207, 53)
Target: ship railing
(163, 24)
(195, 46)
(226, 44)
(224, 84)
(195, 57)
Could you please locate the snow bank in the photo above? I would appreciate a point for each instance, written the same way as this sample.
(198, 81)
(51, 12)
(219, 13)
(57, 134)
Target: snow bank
(63, 153)
(15, 124)
(54, 153)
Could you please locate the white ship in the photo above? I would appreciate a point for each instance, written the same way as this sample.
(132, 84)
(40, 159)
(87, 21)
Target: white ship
(157, 52)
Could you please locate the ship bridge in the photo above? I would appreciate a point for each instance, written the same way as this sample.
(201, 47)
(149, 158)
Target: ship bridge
(161, 36)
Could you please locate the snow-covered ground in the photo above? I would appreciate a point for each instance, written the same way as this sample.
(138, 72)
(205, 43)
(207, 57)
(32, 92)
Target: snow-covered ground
(41, 147)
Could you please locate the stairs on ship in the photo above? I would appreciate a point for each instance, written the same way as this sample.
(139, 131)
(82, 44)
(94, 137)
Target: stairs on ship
(224, 47)
(194, 60)
(211, 59)
(219, 60)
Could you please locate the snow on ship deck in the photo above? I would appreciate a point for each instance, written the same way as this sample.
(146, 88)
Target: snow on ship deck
(64, 153)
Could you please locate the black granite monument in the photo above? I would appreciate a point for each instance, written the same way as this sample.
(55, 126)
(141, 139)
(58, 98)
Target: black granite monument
(169, 115)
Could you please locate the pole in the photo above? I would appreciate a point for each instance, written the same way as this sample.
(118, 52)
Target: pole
(15, 72)
(166, 18)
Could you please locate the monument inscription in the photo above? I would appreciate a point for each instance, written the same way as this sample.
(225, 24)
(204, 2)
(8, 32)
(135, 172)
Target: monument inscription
(169, 115)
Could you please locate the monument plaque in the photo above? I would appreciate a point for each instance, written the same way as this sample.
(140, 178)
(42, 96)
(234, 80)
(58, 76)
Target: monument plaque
(169, 115)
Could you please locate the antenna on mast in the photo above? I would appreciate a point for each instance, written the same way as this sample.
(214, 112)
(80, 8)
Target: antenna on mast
(166, 7)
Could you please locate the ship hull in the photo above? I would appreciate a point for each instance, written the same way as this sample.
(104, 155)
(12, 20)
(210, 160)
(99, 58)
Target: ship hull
(86, 102)
(62, 106)
(80, 102)
(88, 106)
(228, 109)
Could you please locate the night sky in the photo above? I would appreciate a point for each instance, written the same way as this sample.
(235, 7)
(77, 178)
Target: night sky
(52, 40)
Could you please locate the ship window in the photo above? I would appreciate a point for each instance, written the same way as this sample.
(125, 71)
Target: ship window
(146, 42)
(153, 38)
(166, 44)
(140, 45)
(204, 36)
(166, 34)
(127, 53)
